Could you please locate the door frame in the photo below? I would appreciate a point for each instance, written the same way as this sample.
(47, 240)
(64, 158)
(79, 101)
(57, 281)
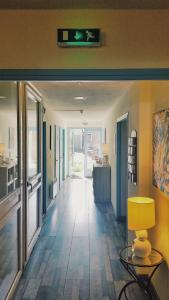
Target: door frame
(120, 120)
(28, 248)
(84, 74)
(22, 75)
(44, 169)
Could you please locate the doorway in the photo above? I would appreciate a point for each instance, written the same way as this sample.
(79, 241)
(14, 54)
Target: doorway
(92, 149)
(14, 196)
(121, 170)
(76, 153)
(85, 145)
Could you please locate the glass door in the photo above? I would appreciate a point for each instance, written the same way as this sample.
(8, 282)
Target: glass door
(92, 149)
(33, 166)
(10, 191)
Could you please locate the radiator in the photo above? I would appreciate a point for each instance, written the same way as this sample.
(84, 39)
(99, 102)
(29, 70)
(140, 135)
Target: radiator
(53, 189)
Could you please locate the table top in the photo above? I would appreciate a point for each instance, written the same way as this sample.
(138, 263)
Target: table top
(153, 260)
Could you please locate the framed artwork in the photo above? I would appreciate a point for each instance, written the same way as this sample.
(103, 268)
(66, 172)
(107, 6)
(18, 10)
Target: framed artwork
(161, 150)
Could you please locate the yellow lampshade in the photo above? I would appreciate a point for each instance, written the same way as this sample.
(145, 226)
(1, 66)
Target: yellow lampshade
(105, 149)
(2, 148)
(141, 213)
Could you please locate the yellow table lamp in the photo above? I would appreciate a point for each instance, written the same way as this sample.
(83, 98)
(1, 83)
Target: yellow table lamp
(141, 216)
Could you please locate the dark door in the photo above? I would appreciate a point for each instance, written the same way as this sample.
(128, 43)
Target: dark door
(122, 178)
(44, 170)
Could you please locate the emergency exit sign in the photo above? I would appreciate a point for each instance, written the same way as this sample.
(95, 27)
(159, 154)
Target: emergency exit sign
(79, 37)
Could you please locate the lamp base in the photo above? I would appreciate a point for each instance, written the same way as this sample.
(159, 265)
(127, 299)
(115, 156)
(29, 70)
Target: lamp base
(141, 246)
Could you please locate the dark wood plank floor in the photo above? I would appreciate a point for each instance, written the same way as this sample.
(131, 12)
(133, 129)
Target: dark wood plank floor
(76, 256)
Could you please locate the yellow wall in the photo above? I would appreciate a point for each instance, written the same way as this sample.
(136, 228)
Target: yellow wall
(141, 101)
(137, 103)
(132, 39)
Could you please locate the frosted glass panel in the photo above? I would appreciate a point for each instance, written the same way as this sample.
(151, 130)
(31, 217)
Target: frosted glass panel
(32, 216)
(8, 138)
(32, 137)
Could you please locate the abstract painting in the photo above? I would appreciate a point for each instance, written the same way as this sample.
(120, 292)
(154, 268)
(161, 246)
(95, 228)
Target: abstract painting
(161, 150)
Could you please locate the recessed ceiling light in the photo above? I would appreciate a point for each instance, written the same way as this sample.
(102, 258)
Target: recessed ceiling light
(85, 123)
(80, 98)
(3, 97)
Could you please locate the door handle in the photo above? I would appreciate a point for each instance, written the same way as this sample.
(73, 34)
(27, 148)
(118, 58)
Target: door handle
(30, 184)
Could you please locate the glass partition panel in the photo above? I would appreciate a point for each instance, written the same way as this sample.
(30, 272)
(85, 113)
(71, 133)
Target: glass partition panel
(8, 254)
(32, 136)
(8, 138)
(32, 215)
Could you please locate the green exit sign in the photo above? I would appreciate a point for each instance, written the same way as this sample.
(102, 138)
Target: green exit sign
(79, 37)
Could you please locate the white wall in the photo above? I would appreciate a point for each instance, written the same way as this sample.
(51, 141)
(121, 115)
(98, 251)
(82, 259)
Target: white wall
(51, 119)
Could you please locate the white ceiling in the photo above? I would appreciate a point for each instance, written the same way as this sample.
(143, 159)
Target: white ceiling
(81, 4)
(99, 98)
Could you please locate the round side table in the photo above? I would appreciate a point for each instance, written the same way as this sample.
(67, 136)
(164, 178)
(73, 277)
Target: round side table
(131, 263)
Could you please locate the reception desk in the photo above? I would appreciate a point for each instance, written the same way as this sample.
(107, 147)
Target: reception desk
(102, 184)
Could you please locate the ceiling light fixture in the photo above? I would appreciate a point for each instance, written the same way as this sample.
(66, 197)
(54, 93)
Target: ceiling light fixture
(80, 98)
(85, 123)
(3, 97)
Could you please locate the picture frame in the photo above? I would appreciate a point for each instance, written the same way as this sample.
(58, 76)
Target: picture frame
(161, 150)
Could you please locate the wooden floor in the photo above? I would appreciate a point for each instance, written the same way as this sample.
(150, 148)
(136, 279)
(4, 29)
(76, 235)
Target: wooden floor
(76, 256)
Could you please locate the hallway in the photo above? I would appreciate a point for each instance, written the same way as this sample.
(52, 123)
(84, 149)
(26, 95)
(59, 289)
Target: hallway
(76, 256)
